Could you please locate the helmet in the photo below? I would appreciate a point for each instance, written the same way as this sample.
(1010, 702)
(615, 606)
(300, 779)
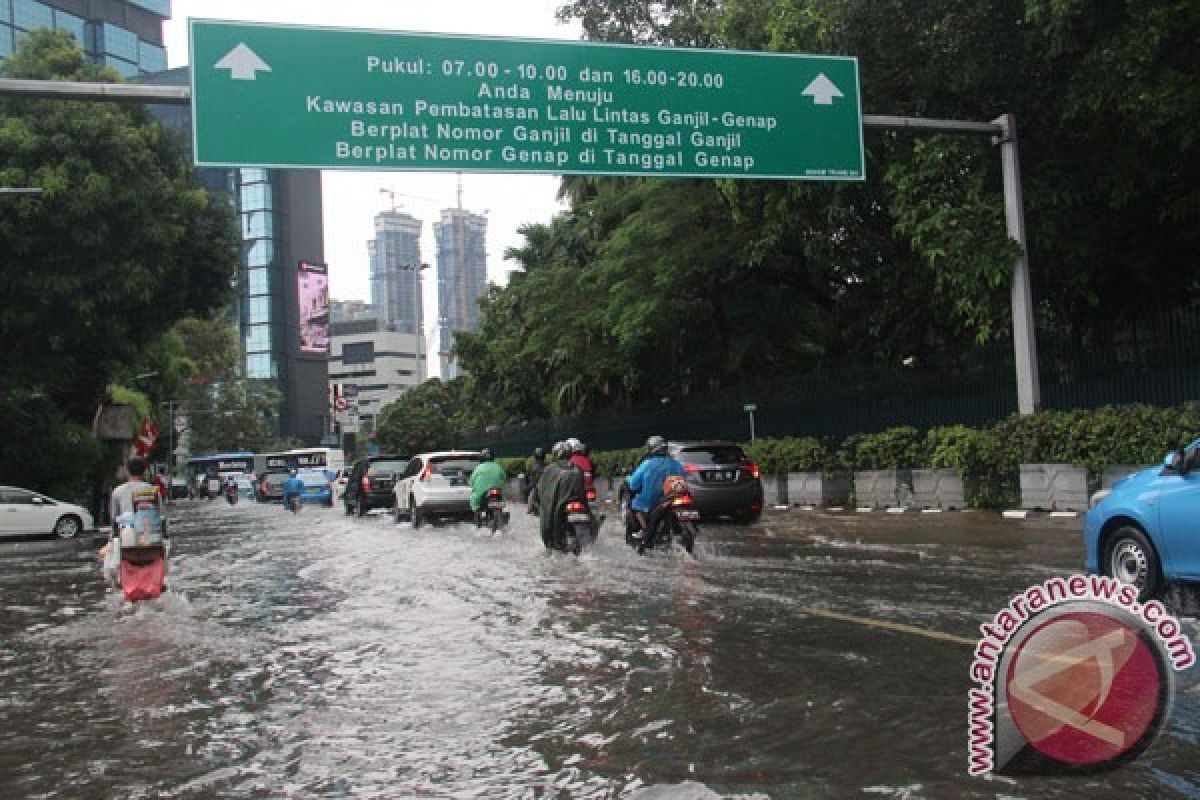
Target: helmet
(539, 453)
(656, 446)
(575, 445)
(486, 454)
(560, 451)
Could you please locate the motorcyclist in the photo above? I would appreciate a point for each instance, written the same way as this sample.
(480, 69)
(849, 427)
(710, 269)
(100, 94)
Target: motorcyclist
(561, 483)
(533, 473)
(647, 480)
(231, 487)
(292, 487)
(487, 475)
(580, 459)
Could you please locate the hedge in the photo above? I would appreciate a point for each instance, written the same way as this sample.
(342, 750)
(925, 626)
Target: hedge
(989, 457)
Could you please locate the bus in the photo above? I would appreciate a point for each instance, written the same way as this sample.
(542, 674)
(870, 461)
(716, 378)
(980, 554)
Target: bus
(329, 459)
(221, 465)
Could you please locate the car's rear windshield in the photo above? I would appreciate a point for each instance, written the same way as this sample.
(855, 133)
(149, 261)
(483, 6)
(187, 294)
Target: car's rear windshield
(313, 478)
(712, 454)
(454, 465)
(380, 467)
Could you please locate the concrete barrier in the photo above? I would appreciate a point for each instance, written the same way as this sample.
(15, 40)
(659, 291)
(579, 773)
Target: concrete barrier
(882, 488)
(775, 490)
(814, 489)
(1053, 487)
(938, 488)
(1116, 472)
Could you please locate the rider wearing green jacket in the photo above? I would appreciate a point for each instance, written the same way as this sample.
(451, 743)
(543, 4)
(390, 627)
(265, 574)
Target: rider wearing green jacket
(488, 475)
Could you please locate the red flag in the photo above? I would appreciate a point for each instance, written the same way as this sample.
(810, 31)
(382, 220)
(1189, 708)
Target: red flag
(146, 437)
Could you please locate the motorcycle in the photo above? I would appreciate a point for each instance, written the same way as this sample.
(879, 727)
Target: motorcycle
(294, 503)
(493, 514)
(136, 556)
(231, 495)
(576, 527)
(673, 518)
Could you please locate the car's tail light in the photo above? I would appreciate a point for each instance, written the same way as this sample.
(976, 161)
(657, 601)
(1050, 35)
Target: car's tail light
(691, 468)
(493, 492)
(425, 473)
(682, 500)
(576, 507)
(752, 468)
(755, 508)
(591, 495)
(366, 482)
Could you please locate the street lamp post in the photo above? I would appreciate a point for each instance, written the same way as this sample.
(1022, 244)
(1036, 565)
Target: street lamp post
(417, 315)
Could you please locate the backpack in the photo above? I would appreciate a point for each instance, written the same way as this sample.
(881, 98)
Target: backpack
(674, 486)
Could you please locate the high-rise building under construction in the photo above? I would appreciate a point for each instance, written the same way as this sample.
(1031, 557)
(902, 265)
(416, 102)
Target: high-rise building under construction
(462, 278)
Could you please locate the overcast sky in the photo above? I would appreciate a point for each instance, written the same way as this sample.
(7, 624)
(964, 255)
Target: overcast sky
(352, 198)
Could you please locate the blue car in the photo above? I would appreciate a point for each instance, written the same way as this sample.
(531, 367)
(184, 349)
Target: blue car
(317, 487)
(1145, 531)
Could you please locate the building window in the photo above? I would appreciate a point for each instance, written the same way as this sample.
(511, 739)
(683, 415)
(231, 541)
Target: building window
(30, 14)
(5, 11)
(259, 365)
(260, 252)
(124, 68)
(257, 225)
(257, 282)
(254, 176)
(6, 40)
(358, 353)
(258, 338)
(160, 7)
(258, 310)
(116, 41)
(151, 57)
(256, 196)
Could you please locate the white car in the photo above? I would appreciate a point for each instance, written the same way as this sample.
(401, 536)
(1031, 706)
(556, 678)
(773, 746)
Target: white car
(436, 485)
(23, 512)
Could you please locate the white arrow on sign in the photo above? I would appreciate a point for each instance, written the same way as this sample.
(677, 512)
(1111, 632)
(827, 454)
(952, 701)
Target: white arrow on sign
(243, 63)
(822, 91)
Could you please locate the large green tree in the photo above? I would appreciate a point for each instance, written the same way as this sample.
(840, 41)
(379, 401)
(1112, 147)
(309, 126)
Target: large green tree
(649, 288)
(119, 244)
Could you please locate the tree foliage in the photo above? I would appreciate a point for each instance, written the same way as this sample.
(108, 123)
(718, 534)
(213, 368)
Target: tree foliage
(119, 244)
(650, 288)
(428, 417)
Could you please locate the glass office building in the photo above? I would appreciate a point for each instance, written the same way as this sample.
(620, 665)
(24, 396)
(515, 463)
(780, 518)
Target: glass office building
(123, 34)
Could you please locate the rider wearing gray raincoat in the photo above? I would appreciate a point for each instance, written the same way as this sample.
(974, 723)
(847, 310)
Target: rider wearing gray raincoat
(561, 483)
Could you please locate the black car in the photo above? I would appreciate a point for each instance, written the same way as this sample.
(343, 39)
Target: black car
(371, 482)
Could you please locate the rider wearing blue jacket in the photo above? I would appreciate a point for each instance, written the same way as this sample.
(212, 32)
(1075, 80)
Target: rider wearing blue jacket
(646, 482)
(293, 487)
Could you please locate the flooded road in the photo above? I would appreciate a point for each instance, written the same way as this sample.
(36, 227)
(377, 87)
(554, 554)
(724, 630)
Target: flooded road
(328, 656)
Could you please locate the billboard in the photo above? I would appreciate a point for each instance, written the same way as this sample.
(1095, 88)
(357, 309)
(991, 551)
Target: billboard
(312, 292)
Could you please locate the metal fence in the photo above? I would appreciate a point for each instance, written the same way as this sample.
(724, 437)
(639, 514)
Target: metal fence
(1154, 361)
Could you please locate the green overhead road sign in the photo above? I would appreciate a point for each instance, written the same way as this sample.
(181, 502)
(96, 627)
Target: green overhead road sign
(281, 96)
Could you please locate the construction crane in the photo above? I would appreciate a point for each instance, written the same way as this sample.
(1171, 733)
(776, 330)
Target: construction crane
(393, 194)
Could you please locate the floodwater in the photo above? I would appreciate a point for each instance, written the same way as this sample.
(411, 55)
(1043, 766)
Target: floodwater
(327, 656)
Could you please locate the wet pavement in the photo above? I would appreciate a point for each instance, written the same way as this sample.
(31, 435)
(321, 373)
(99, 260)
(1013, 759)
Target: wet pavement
(327, 656)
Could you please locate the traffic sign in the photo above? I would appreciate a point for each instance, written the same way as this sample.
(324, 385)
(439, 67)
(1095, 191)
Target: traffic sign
(287, 96)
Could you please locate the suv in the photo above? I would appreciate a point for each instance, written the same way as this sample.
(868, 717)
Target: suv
(436, 485)
(722, 480)
(370, 483)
